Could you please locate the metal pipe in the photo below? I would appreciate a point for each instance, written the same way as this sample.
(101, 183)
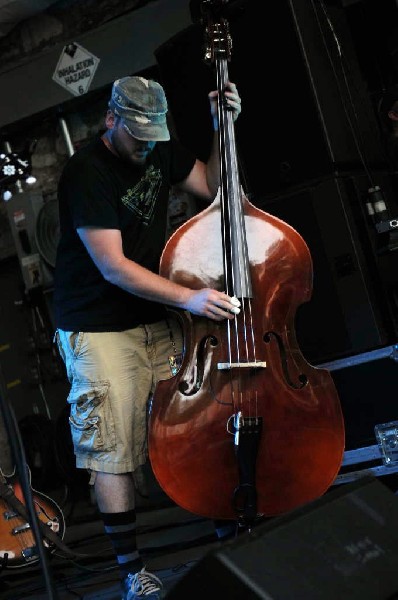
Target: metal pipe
(66, 134)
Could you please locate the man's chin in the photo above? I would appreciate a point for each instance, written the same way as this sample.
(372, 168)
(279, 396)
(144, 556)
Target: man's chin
(139, 159)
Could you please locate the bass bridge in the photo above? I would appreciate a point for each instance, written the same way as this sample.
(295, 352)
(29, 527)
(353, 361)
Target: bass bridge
(255, 364)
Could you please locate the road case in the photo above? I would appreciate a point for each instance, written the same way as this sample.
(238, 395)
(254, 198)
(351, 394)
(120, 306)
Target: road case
(367, 387)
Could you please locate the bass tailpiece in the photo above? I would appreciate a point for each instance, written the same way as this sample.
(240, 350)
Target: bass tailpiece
(247, 438)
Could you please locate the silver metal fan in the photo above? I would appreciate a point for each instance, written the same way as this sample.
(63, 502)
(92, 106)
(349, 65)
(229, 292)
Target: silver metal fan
(47, 231)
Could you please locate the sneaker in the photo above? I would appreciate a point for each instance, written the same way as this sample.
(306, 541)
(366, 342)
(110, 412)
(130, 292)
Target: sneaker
(142, 585)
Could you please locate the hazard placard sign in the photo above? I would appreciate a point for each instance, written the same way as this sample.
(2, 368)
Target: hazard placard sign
(75, 69)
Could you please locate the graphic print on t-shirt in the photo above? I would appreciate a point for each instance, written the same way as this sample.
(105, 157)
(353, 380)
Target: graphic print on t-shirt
(142, 197)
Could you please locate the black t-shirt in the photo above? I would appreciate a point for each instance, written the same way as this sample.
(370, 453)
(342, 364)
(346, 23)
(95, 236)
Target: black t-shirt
(97, 189)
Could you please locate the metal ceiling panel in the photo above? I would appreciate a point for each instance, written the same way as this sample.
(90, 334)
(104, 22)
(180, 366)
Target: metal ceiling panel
(13, 12)
(124, 45)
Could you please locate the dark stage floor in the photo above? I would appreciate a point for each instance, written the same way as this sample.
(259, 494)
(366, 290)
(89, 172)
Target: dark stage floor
(297, 551)
(171, 539)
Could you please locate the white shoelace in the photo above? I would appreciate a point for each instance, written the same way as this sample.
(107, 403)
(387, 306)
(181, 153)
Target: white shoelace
(144, 583)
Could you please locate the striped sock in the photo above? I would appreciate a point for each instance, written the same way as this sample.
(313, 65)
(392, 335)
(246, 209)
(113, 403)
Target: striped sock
(121, 529)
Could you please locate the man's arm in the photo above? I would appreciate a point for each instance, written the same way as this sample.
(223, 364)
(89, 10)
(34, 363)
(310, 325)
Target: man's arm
(105, 249)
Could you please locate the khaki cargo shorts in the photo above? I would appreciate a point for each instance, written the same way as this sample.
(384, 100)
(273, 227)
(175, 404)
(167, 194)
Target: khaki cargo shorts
(112, 377)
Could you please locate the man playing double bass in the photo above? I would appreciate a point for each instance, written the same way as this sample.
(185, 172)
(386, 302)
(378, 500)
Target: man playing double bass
(112, 330)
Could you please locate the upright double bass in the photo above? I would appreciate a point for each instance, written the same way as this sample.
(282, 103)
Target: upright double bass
(247, 426)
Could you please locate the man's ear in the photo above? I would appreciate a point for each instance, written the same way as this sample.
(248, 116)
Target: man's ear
(393, 115)
(110, 118)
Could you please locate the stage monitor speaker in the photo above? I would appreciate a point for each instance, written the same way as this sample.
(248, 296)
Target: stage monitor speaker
(341, 546)
(305, 107)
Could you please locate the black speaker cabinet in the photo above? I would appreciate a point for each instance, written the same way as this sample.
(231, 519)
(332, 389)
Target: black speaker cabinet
(341, 546)
(306, 111)
(354, 306)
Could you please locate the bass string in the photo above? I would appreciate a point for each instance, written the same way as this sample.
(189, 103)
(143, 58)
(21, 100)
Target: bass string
(241, 339)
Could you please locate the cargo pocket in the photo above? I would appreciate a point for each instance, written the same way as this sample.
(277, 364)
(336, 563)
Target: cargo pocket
(91, 418)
